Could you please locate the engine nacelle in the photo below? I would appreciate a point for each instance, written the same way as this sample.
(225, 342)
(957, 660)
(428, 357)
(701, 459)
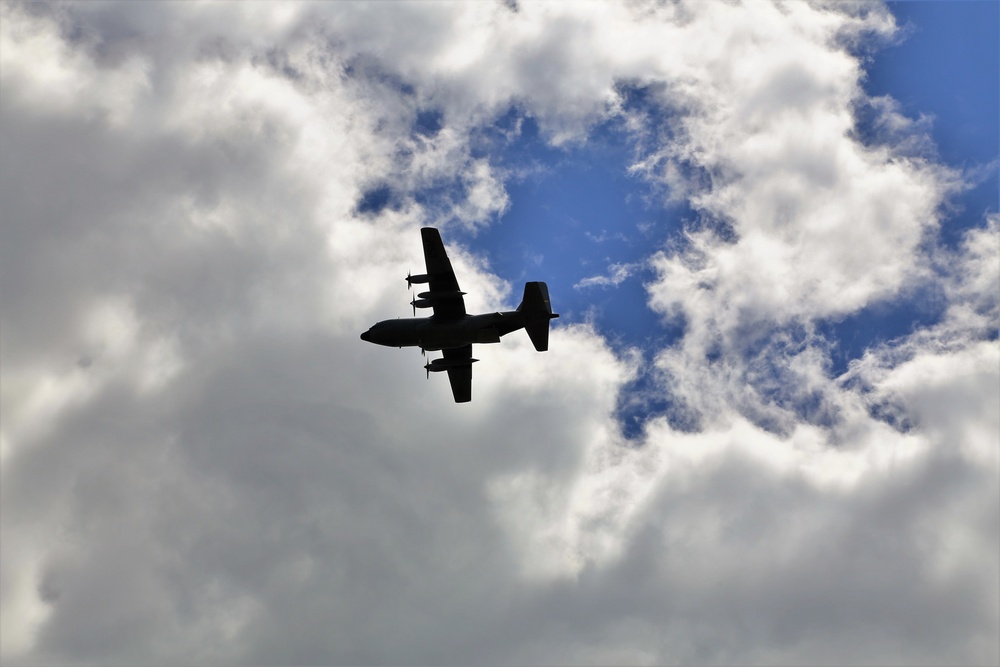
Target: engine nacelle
(438, 365)
(422, 303)
(440, 296)
(419, 278)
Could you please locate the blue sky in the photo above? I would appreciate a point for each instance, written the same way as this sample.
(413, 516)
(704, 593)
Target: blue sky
(765, 430)
(579, 212)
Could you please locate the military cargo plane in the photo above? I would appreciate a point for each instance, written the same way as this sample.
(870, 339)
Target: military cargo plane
(453, 331)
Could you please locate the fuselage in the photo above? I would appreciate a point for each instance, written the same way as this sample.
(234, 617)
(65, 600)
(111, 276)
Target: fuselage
(433, 333)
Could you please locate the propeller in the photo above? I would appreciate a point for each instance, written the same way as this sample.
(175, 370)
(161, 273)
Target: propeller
(409, 287)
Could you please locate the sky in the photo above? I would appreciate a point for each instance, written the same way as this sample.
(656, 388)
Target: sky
(767, 427)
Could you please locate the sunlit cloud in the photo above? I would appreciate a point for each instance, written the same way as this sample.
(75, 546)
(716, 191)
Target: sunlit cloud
(204, 204)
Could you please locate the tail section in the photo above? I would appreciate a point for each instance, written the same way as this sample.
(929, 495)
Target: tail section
(537, 312)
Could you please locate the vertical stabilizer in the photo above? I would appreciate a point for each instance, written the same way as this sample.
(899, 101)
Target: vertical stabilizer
(537, 311)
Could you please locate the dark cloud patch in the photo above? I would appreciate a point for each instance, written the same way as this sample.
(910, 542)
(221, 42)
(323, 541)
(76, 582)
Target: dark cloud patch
(429, 122)
(375, 200)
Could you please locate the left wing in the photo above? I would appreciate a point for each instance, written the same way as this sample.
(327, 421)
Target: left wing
(444, 294)
(459, 361)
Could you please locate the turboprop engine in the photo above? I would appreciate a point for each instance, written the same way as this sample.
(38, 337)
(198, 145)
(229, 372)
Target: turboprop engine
(438, 365)
(419, 278)
(431, 299)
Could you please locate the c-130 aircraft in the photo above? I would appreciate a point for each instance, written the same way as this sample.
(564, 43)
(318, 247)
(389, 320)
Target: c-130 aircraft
(450, 329)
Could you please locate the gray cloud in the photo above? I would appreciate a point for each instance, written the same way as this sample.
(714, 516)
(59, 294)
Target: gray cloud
(201, 463)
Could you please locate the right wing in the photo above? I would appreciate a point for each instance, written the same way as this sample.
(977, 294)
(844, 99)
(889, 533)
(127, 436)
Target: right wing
(460, 374)
(444, 291)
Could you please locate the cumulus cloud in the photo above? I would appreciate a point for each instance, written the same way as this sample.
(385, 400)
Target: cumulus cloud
(204, 204)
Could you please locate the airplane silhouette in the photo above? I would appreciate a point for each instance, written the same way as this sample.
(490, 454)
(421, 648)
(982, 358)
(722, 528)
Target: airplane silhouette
(453, 331)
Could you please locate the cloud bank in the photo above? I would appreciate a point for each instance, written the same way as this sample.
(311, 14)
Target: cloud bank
(203, 204)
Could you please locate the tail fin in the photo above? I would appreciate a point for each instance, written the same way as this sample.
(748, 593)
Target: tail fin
(537, 312)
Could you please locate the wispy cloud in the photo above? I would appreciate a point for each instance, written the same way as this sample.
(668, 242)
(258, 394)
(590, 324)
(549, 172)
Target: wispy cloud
(617, 274)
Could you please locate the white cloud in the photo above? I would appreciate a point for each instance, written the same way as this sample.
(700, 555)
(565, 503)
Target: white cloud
(201, 462)
(617, 274)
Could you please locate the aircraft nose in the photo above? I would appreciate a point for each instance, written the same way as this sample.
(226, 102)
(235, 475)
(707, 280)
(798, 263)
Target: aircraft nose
(366, 336)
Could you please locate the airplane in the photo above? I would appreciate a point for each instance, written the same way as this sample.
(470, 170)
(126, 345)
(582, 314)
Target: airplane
(453, 331)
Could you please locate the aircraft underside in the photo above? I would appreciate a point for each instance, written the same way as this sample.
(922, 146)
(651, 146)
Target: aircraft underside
(453, 331)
